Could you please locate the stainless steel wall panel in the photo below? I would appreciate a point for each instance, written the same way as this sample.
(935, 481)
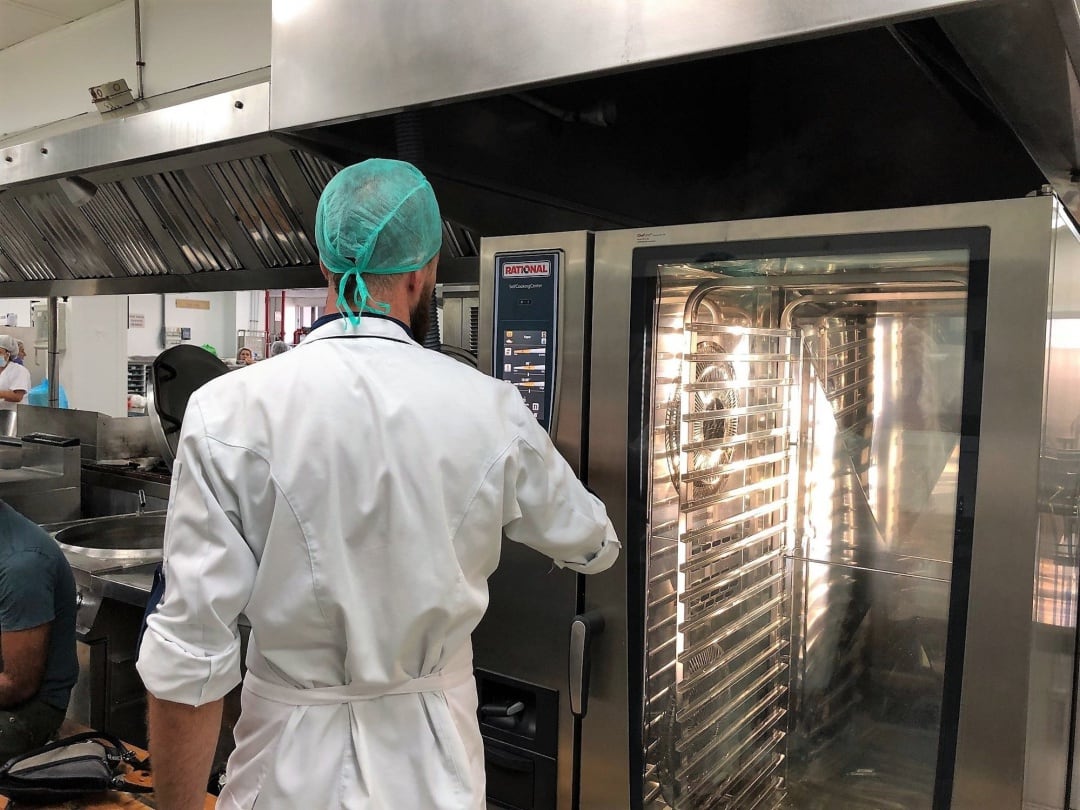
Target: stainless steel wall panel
(417, 52)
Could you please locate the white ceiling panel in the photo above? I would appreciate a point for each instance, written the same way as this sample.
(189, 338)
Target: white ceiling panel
(23, 19)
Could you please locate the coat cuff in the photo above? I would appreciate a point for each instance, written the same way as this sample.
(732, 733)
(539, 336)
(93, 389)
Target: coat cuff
(171, 672)
(601, 561)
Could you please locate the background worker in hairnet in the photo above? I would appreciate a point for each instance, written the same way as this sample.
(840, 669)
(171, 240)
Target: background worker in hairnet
(354, 516)
(14, 378)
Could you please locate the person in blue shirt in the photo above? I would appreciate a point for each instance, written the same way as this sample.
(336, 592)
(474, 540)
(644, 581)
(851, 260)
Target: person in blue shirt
(37, 635)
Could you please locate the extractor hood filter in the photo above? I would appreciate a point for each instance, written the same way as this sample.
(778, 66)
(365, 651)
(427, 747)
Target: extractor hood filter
(256, 194)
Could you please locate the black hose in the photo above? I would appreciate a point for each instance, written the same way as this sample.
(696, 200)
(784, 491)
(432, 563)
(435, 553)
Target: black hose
(431, 339)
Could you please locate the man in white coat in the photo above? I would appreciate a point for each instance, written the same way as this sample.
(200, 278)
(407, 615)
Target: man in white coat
(349, 498)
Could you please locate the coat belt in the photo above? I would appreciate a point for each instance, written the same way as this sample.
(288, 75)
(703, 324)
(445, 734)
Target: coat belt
(457, 671)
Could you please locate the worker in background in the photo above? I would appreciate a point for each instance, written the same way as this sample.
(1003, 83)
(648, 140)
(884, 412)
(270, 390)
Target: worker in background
(278, 347)
(244, 357)
(353, 516)
(20, 358)
(37, 635)
(14, 378)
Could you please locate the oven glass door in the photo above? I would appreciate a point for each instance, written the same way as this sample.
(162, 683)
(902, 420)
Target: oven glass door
(805, 574)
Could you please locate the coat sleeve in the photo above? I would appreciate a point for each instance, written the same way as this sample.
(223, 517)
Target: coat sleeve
(191, 650)
(547, 508)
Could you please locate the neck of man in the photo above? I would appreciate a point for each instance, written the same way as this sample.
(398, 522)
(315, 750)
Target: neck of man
(399, 306)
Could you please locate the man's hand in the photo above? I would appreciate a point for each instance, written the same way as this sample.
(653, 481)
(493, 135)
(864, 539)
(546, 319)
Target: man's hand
(24, 653)
(182, 743)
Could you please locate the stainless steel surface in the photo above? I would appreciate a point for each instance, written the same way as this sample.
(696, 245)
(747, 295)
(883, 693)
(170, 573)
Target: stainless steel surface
(159, 126)
(100, 436)
(233, 281)
(1026, 56)
(459, 307)
(132, 585)
(513, 45)
(53, 351)
(577, 665)
(180, 187)
(529, 600)
(120, 538)
(232, 210)
(105, 494)
(46, 487)
(8, 423)
(118, 544)
(994, 737)
(1051, 691)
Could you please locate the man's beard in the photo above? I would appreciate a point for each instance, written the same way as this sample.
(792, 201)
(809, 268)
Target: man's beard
(420, 317)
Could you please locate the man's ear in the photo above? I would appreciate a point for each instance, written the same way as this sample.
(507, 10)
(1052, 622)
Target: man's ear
(415, 281)
(325, 272)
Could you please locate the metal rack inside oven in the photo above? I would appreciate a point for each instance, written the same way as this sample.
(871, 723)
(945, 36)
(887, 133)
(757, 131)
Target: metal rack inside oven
(717, 636)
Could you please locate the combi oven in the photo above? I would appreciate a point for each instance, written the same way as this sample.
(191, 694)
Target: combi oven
(839, 452)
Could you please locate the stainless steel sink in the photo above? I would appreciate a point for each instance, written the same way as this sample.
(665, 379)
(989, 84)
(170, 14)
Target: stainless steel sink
(129, 537)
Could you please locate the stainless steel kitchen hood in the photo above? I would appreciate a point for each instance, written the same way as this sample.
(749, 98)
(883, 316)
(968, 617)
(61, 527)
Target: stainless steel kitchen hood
(204, 189)
(1027, 55)
(184, 194)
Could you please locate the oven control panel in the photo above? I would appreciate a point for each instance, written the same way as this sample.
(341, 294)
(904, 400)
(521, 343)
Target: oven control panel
(526, 326)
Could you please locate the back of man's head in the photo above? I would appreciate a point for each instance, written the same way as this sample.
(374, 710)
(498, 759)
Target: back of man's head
(379, 217)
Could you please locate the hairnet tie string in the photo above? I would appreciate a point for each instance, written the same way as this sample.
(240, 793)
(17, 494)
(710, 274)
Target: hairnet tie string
(360, 298)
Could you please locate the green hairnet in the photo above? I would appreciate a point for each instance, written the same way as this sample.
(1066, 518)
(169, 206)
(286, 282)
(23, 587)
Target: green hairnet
(379, 216)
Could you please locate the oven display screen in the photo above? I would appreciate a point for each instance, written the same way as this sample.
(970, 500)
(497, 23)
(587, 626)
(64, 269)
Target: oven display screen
(526, 309)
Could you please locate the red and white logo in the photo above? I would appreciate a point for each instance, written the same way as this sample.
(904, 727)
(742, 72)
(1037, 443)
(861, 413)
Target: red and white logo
(526, 269)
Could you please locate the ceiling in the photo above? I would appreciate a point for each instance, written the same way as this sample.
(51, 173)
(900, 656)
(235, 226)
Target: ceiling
(23, 19)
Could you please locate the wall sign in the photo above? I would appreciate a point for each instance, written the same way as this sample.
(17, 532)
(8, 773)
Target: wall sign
(192, 303)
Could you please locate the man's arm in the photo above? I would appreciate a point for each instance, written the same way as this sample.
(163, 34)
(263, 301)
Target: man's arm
(546, 507)
(190, 654)
(185, 737)
(25, 653)
(12, 396)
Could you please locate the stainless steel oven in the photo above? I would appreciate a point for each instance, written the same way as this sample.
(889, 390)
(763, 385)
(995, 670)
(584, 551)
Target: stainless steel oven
(821, 440)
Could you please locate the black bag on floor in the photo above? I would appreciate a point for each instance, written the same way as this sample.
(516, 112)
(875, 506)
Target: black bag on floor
(68, 769)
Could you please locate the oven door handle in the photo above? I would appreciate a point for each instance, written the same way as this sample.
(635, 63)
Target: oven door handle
(582, 629)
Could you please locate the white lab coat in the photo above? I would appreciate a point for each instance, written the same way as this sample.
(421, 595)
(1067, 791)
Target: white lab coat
(348, 497)
(14, 377)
